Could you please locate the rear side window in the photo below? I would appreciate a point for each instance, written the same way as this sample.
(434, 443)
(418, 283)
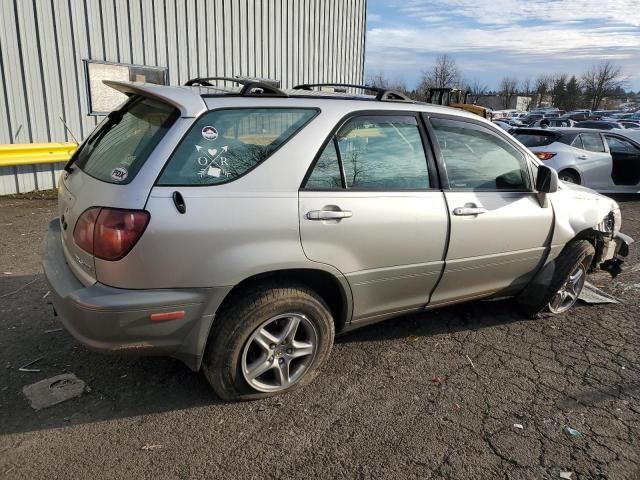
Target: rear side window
(592, 142)
(374, 152)
(383, 152)
(477, 159)
(118, 148)
(224, 144)
(535, 139)
(326, 173)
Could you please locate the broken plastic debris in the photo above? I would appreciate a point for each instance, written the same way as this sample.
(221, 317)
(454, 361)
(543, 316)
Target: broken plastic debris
(30, 370)
(46, 294)
(7, 273)
(566, 475)
(437, 380)
(53, 330)
(518, 425)
(147, 446)
(54, 390)
(412, 338)
(471, 362)
(573, 432)
(592, 294)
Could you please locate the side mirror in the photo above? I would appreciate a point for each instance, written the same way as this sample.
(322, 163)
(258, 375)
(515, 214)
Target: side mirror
(546, 180)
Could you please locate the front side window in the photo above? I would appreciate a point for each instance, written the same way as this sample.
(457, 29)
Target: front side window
(478, 159)
(592, 142)
(376, 152)
(223, 145)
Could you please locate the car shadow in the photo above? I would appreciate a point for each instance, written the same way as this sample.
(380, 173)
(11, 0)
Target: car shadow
(120, 387)
(467, 316)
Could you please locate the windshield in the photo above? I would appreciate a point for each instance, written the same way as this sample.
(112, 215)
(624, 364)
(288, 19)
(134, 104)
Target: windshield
(118, 148)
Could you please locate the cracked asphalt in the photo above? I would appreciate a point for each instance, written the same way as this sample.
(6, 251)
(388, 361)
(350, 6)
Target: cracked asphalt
(434, 395)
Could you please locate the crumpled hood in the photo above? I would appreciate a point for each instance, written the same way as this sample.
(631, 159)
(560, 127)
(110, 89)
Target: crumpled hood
(578, 208)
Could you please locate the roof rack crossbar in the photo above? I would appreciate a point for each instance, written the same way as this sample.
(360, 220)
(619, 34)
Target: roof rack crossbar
(204, 81)
(249, 90)
(392, 96)
(309, 86)
(382, 94)
(250, 87)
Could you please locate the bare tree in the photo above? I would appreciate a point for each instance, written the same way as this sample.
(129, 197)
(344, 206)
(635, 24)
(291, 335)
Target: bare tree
(477, 88)
(508, 90)
(444, 73)
(525, 86)
(380, 80)
(600, 80)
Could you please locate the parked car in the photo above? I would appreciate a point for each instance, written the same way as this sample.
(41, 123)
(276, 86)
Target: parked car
(506, 126)
(553, 122)
(599, 124)
(239, 230)
(621, 115)
(603, 160)
(531, 118)
(576, 116)
(629, 124)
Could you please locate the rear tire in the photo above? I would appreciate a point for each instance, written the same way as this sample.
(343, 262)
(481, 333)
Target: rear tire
(576, 255)
(569, 176)
(268, 341)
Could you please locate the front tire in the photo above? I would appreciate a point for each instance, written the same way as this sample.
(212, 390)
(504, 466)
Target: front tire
(267, 342)
(566, 283)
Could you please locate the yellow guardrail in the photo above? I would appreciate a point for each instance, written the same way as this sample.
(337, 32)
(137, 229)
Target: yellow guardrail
(35, 153)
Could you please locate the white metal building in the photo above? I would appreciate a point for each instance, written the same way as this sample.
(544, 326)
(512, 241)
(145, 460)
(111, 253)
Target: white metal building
(54, 53)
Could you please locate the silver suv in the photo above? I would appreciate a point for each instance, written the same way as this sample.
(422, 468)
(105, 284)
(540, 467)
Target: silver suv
(240, 229)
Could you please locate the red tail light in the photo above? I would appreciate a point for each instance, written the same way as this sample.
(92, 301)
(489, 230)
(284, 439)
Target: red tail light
(109, 233)
(545, 155)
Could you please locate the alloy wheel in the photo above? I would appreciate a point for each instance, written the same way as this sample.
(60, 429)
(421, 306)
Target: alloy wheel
(279, 352)
(567, 295)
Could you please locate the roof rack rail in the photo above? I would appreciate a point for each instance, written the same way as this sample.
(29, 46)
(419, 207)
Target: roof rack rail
(250, 86)
(382, 94)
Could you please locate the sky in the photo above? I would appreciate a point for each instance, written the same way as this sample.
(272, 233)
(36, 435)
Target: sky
(490, 39)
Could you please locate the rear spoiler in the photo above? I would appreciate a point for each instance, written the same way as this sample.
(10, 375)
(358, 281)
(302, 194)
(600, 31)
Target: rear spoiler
(186, 100)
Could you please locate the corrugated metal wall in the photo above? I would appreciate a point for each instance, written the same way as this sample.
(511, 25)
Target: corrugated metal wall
(43, 43)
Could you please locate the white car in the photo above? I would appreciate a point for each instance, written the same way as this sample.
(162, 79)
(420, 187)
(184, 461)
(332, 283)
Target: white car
(603, 160)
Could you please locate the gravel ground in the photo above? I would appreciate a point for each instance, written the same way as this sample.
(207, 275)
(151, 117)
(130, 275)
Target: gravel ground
(434, 395)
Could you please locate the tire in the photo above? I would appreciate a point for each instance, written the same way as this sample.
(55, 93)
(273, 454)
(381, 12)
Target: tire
(575, 255)
(569, 176)
(249, 335)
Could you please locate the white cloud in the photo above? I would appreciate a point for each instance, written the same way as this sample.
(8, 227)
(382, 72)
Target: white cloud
(504, 12)
(506, 35)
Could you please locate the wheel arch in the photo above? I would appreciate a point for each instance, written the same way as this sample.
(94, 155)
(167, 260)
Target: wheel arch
(574, 171)
(334, 290)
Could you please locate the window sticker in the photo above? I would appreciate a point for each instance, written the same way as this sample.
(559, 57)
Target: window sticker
(119, 174)
(212, 163)
(209, 133)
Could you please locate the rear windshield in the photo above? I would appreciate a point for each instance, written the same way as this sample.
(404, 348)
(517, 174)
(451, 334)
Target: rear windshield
(118, 148)
(225, 144)
(535, 139)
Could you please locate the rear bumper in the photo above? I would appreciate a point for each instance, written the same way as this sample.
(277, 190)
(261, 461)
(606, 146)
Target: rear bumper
(117, 320)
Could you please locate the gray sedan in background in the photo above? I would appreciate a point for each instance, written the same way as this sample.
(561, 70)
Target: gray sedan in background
(605, 161)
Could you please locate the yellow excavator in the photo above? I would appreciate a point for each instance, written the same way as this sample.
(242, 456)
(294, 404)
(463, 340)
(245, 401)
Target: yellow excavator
(456, 98)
